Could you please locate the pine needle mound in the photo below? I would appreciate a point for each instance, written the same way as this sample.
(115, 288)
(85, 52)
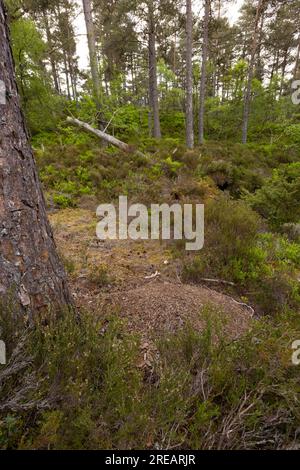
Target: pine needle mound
(159, 307)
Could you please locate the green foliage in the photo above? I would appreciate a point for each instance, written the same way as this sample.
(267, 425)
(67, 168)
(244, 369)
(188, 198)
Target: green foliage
(263, 266)
(231, 231)
(77, 383)
(129, 123)
(42, 107)
(92, 395)
(99, 276)
(63, 201)
(172, 124)
(278, 199)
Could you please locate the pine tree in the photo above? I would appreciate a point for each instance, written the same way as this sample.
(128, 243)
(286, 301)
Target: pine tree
(30, 270)
(153, 89)
(254, 46)
(189, 76)
(207, 6)
(87, 8)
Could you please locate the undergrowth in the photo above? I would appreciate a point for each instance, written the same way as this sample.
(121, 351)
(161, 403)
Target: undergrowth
(72, 382)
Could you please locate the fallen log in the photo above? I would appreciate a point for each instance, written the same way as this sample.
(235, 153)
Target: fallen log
(103, 136)
(217, 281)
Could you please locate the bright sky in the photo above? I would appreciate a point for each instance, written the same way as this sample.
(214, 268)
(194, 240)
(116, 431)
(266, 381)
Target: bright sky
(82, 47)
(234, 10)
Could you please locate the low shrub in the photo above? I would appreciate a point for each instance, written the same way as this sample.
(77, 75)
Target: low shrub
(99, 275)
(263, 266)
(278, 199)
(74, 382)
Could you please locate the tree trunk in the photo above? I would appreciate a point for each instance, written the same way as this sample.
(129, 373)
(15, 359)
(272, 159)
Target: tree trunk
(248, 93)
(109, 139)
(72, 77)
(30, 270)
(296, 67)
(66, 70)
(87, 8)
(203, 72)
(283, 71)
(50, 46)
(153, 90)
(189, 76)
(259, 67)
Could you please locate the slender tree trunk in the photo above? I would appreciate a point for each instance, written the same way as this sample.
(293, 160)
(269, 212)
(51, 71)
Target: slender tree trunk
(153, 88)
(283, 70)
(30, 270)
(67, 76)
(87, 8)
(203, 71)
(247, 98)
(64, 53)
(174, 55)
(296, 68)
(50, 46)
(259, 68)
(275, 65)
(72, 69)
(72, 77)
(189, 76)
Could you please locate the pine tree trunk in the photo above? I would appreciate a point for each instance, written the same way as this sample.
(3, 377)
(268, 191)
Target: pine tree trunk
(66, 70)
(248, 93)
(153, 89)
(283, 71)
(189, 76)
(203, 72)
(259, 67)
(50, 46)
(296, 67)
(30, 270)
(87, 8)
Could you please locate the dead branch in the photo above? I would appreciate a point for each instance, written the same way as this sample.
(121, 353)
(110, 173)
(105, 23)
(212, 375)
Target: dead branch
(103, 136)
(217, 281)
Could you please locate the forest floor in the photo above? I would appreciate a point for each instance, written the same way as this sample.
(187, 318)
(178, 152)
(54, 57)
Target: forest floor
(137, 280)
(165, 357)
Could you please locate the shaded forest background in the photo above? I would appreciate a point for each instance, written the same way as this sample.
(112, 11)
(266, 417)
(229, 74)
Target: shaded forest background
(52, 85)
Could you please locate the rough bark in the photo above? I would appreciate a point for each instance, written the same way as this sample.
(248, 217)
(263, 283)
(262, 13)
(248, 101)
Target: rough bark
(87, 8)
(30, 269)
(153, 89)
(247, 98)
(203, 71)
(189, 76)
